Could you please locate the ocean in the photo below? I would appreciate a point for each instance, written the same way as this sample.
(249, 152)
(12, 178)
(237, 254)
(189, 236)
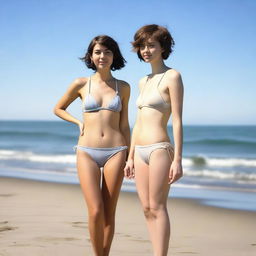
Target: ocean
(219, 162)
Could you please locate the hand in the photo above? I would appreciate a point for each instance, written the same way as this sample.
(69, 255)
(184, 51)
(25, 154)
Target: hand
(81, 128)
(129, 169)
(176, 172)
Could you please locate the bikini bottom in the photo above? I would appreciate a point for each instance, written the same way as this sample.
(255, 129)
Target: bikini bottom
(145, 151)
(100, 155)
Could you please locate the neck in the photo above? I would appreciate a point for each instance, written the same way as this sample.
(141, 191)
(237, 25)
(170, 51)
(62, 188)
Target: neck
(158, 66)
(104, 75)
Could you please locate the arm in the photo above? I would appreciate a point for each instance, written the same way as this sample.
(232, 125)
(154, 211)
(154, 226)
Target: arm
(129, 167)
(176, 95)
(124, 122)
(71, 94)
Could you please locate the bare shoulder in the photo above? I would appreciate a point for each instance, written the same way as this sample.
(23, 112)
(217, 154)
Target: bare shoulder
(173, 75)
(142, 81)
(78, 83)
(124, 86)
(173, 79)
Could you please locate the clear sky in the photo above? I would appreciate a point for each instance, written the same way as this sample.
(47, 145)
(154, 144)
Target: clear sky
(215, 51)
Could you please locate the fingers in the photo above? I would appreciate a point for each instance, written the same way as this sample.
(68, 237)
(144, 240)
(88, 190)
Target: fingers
(170, 180)
(175, 178)
(174, 175)
(126, 171)
(132, 174)
(81, 127)
(129, 172)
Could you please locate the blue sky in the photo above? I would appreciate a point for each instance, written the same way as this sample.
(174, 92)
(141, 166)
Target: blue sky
(215, 52)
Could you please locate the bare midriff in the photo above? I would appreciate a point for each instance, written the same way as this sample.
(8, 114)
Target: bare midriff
(101, 130)
(152, 126)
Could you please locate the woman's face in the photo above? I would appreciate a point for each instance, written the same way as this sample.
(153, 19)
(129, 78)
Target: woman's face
(151, 50)
(102, 57)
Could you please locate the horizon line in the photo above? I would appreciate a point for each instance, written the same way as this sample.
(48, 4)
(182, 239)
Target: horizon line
(184, 124)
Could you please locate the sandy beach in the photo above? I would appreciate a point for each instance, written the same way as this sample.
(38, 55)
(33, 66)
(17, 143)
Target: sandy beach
(40, 218)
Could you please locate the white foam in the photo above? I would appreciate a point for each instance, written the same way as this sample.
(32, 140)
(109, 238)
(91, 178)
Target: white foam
(221, 174)
(221, 162)
(29, 156)
(229, 162)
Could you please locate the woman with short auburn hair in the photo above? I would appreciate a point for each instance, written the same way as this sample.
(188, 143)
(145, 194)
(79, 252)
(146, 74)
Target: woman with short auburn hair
(152, 159)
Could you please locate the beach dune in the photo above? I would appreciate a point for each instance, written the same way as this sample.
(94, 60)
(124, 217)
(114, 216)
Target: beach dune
(40, 218)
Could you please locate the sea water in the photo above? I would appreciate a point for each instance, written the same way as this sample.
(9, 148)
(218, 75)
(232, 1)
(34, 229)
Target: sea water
(219, 162)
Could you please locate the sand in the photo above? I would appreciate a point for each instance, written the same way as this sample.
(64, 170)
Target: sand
(40, 218)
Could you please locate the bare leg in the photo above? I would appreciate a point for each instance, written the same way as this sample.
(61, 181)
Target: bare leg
(159, 167)
(89, 176)
(111, 184)
(142, 184)
(152, 186)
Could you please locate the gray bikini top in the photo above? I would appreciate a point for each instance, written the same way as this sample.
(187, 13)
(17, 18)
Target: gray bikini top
(91, 105)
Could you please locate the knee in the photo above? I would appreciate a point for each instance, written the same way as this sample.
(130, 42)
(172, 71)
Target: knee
(158, 209)
(147, 212)
(96, 212)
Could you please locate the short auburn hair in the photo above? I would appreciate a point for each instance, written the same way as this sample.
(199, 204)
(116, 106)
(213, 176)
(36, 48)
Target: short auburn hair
(110, 44)
(156, 32)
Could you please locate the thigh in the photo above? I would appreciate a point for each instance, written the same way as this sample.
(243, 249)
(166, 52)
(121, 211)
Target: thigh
(159, 167)
(112, 179)
(89, 175)
(142, 179)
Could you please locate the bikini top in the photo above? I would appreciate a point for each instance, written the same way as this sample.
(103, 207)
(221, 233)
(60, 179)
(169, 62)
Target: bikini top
(91, 105)
(153, 100)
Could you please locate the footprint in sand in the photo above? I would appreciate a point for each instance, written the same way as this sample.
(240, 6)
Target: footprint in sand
(18, 245)
(79, 224)
(6, 195)
(55, 240)
(123, 235)
(4, 227)
(133, 238)
(141, 240)
(189, 252)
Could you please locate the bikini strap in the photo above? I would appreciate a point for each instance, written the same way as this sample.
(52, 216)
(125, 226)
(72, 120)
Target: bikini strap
(142, 89)
(117, 91)
(89, 89)
(161, 79)
(146, 80)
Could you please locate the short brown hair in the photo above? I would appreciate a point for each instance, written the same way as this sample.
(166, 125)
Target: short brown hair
(110, 44)
(156, 32)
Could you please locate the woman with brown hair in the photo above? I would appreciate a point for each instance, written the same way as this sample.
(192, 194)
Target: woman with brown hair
(104, 136)
(152, 159)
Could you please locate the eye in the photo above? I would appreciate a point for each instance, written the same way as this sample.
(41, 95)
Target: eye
(108, 52)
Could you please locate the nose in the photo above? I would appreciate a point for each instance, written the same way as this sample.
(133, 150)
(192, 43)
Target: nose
(146, 48)
(102, 54)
